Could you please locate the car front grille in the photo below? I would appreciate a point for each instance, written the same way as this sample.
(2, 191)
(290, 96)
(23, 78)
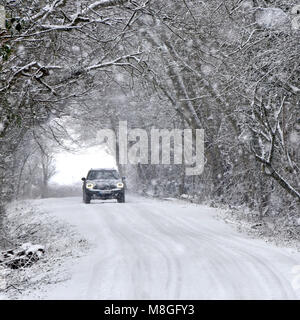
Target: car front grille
(105, 187)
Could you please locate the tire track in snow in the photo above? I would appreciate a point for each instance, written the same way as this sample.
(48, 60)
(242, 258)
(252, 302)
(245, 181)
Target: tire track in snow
(150, 249)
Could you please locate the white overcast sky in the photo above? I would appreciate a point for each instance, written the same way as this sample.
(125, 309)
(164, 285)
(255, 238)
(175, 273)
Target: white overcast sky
(71, 167)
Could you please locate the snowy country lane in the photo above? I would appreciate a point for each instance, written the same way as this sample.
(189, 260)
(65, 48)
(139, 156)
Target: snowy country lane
(151, 249)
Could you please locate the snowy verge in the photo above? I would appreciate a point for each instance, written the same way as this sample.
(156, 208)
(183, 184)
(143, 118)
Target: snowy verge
(275, 230)
(27, 223)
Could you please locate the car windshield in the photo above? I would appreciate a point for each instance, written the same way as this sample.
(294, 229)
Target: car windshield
(103, 174)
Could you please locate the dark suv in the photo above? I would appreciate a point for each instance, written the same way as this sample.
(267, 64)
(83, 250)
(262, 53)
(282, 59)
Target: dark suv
(103, 184)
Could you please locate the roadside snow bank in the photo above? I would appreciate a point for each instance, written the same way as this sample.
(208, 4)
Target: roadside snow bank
(37, 235)
(273, 230)
(277, 230)
(21, 257)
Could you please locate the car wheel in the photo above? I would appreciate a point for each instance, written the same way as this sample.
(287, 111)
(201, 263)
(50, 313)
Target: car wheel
(121, 199)
(86, 198)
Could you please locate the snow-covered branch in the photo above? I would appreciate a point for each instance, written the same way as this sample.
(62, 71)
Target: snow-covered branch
(32, 69)
(270, 171)
(267, 157)
(116, 62)
(103, 4)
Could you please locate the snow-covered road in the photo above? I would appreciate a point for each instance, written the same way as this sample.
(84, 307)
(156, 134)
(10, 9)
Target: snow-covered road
(150, 249)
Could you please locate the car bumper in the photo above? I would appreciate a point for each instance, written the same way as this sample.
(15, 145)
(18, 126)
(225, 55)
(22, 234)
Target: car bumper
(105, 194)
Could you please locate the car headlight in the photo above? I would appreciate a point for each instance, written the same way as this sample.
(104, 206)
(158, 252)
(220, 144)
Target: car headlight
(90, 185)
(120, 185)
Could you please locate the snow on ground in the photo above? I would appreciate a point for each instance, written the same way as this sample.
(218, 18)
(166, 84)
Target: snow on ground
(62, 243)
(156, 249)
(272, 230)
